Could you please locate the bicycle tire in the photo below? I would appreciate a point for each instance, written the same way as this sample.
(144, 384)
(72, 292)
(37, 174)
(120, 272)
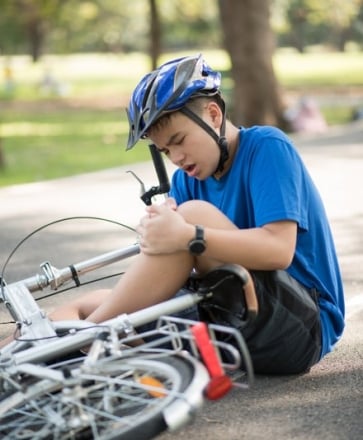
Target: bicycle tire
(108, 403)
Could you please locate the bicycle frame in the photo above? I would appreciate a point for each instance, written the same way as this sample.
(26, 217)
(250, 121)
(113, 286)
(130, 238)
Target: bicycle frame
(42, 342)
(36, 328)
(34, 325)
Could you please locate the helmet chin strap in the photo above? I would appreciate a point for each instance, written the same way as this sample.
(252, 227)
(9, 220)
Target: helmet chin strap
(220, 140)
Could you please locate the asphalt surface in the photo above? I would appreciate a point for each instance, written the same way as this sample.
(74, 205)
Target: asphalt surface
(326, 403)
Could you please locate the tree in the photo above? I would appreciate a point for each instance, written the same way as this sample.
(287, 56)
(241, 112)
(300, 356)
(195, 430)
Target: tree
(34, 19)
(249, 42)
(321, 21)
(338, 15)
(155, 34)
(297, 14)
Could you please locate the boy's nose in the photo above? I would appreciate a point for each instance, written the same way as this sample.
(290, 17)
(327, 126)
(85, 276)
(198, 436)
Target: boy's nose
(177, 157)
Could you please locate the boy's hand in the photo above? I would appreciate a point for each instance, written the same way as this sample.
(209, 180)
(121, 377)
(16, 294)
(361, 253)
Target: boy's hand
(163, 230)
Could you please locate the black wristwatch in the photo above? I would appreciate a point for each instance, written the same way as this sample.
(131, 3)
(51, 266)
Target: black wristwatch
(197, 245)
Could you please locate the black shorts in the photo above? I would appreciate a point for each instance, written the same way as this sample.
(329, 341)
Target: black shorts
(285, 337)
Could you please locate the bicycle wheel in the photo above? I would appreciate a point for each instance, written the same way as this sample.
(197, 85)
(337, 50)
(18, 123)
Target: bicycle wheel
(120, 399)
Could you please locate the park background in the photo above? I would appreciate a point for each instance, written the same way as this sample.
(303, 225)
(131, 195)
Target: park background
(64, 114)
(69, 66)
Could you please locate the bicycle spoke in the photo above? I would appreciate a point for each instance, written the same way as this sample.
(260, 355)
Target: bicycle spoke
(116, 397)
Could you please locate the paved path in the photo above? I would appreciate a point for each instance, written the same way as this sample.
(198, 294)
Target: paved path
(325, 404)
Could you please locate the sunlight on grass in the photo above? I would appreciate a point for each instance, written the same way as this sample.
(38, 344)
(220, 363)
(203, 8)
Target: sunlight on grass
(59, 139)
(56, 144)
(77, 75)
(84, 75)
(333, 69)
(54, 129)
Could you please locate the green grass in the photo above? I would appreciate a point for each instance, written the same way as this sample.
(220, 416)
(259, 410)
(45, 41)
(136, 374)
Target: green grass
(81, 75)
(45, 138)
(44, 146)
(319, 69)
(86, 75)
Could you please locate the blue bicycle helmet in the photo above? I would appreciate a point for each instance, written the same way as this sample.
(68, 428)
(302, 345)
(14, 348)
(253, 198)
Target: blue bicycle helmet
(168, 89)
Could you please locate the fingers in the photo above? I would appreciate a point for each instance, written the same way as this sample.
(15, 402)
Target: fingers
(151, 230)
(157, 209)
(171, 203)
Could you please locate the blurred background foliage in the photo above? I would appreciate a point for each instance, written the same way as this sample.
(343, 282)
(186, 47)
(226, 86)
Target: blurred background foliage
(69, 67)
(66, 26)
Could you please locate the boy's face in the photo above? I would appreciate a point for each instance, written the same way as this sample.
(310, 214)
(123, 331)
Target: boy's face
(187, 145)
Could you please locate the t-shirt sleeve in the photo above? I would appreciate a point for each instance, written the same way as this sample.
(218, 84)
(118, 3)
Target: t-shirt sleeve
(277, 183)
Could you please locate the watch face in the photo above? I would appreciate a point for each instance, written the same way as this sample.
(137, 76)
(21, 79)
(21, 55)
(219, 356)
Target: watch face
(197, 247)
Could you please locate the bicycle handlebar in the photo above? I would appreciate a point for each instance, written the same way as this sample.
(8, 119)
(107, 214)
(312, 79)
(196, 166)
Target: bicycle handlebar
(160, 169)
(162, 175)
(57, 277)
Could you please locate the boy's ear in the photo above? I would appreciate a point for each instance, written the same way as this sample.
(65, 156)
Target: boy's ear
(215, 113)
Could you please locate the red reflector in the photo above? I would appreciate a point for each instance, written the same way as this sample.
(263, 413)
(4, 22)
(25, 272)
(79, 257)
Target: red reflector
(220, 383)
(218, 387)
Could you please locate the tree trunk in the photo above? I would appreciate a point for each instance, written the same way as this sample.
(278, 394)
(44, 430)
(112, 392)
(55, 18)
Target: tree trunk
(36, 38)
(2, 156)
(250, 43)
(155, 34)
(34, 26)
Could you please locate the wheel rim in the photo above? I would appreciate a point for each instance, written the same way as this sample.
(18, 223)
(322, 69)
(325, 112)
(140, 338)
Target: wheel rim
(107, 399)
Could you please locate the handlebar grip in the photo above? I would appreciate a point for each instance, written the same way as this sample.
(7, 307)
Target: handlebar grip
(159, 165)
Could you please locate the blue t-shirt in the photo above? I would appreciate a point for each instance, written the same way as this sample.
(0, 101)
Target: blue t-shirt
(268, 182)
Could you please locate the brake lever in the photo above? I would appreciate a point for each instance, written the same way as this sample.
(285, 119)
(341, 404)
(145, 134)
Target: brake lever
(164, 185)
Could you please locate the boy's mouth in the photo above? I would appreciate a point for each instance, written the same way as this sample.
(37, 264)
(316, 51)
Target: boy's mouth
(190, 170)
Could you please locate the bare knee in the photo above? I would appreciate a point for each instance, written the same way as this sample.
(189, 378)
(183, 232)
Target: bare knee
(202, 212)
(205, 214)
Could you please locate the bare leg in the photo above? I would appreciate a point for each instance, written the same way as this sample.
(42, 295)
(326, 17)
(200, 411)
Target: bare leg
(150, 279)
(138, 288)
(7, 340)
(77, 309)
(82, 307)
